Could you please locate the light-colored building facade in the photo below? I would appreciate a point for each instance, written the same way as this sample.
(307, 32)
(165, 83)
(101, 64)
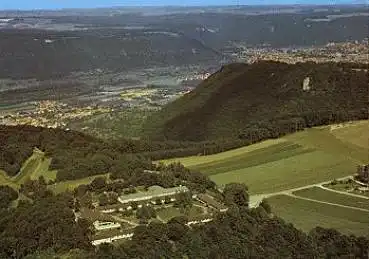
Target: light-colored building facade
(153, 192)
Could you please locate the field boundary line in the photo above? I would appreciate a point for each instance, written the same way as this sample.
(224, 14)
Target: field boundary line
(328, 203)
(344, 193)
(256, 199)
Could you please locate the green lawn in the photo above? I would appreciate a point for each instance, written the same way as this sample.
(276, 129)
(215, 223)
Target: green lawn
(317, 193)
(311, 156)
(306, 215)
(168, 213)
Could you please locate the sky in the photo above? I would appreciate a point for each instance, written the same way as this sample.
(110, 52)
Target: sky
(59, 4)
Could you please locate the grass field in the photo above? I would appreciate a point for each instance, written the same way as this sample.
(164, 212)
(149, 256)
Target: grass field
(35, 166)
(356, 134)
(317, 193)
(306, 215)
(168, 213)
(311, 156)
(348, 187)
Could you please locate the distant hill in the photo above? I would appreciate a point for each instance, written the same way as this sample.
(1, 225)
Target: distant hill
(47, 44)
(52, 54)
(264, 100)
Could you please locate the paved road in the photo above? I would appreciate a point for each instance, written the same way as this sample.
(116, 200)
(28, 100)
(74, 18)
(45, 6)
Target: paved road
(255, 200)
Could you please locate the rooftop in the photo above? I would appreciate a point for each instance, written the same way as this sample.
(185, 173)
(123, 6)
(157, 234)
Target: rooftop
(211, 202)
(152, 192)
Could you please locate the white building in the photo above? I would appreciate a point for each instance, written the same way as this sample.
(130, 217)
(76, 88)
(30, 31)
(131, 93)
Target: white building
(105, 225)
(154, 192)
(111, 239)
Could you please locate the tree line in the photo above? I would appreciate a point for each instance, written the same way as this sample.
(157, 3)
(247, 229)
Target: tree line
(45, 228)
(76, 155)
(253, 102)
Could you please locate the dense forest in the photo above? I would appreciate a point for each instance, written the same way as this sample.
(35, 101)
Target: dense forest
(46, 228)
(76, 155)
(264, 100)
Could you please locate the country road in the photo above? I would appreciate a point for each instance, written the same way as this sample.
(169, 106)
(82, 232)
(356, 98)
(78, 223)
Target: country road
(255, 200)
(328, 203)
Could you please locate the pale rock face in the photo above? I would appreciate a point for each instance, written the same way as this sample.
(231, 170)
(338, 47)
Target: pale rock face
(306, 84)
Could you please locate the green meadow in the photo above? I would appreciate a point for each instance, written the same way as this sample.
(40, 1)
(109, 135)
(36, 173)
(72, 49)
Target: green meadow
(306, 215)
(307, 157)
(320, 194)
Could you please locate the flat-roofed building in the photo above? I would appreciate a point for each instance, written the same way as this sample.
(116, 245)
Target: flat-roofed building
(104, 225)
(153, 192)
(211, 202)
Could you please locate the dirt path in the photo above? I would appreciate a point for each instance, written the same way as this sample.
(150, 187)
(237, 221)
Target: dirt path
(345, 193)
(328, 203)
(255, 200)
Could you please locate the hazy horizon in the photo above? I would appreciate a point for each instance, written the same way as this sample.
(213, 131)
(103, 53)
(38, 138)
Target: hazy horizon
(72, 4)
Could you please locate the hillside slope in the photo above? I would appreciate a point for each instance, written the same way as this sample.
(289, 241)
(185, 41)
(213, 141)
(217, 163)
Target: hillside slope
(264, 100)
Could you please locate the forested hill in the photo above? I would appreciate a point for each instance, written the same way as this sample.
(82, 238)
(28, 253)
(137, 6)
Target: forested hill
(75, 155)
(264, 100)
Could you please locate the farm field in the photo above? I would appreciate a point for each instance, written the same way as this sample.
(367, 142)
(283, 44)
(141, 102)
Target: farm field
(351, 187)
(320, 194)
(307, 157)
(306, 215)
(356, 134)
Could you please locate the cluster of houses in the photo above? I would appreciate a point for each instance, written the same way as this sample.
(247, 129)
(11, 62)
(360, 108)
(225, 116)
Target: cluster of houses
(152, 196)
(155, 195)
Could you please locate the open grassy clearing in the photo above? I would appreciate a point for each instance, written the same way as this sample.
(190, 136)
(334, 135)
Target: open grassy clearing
(5, 180)
(323, 139)
(293, 172)
(193, 161)
(303, 158)
(306, 215)
(60, 187)
(35, 166)
(168, 213)
(317, 193)
(356, 133)
(253, 158)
